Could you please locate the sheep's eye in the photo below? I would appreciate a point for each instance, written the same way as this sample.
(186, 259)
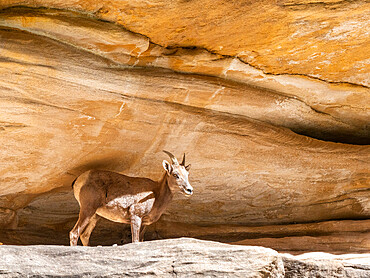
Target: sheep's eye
(176, 176)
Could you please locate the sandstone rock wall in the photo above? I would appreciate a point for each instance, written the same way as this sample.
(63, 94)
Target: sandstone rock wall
(254, 93)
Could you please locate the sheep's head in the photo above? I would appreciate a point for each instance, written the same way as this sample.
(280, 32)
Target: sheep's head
(178, 174)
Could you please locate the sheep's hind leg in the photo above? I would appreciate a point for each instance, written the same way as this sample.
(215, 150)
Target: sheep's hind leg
(85, 236)
(82, 222)
(142, 232)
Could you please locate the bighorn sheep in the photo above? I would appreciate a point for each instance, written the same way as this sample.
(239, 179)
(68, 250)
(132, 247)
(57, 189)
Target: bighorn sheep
(131, 200)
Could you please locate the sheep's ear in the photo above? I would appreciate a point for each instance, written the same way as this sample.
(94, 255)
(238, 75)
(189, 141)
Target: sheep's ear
(167, 166)
(187, 168)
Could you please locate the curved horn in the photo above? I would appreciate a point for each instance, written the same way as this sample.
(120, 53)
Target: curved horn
(183, 160)
(173, 158)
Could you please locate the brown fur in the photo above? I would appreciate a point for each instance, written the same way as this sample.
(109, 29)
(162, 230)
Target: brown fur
(124, 199)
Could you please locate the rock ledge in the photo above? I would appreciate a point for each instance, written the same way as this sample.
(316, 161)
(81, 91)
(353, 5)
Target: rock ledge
(182, 257)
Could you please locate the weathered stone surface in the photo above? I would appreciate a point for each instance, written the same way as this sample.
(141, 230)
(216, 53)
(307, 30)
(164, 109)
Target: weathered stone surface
(323, 39)
(318, 109)
(78, 93)
(167, 258)
(174, 258)
(326, 265)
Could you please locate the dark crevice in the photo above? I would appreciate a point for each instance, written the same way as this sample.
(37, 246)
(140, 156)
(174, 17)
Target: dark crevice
(324, 221)
(36, 103)
(307, 4)
(340, 137)
(230, 237)
(9, 60)
(173, 269)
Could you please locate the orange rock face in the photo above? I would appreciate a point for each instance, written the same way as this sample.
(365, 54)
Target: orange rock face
(253, 93)
(323, 39)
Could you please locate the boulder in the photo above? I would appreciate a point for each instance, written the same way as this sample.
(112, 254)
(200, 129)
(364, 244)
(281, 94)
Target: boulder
(174, 258)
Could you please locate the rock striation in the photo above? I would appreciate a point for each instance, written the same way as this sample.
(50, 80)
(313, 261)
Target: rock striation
(269, 100)
(174, 258)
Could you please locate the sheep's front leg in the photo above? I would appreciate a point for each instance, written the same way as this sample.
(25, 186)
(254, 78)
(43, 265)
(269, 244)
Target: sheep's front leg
(135, 228)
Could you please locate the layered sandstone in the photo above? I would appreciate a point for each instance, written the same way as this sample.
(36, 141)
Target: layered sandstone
(96, 85)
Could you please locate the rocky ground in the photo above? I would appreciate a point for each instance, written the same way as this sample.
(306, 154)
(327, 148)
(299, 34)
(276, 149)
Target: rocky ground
(183, 257)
